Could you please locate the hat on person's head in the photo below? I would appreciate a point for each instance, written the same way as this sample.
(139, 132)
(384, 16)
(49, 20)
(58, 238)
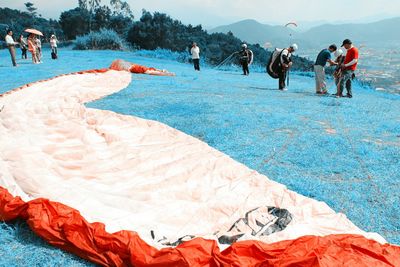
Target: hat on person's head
(347, 41)
(244, 45)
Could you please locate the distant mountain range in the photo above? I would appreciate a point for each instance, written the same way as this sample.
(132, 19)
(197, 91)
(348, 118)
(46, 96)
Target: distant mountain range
(374, 33)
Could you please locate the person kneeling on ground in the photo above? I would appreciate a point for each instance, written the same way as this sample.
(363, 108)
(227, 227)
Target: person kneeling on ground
(319, 68)
(285, 63)
(348, 67)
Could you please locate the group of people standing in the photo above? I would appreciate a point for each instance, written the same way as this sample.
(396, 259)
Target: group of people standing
(281, 62)
(346, 65)
(32, 44)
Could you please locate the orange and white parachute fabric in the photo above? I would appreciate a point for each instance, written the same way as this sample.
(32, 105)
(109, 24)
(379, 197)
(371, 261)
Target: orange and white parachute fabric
(120, 65)
(123, 191)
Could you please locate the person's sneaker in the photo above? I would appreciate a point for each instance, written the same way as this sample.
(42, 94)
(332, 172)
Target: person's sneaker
(322, 93)
(349, 96)
(283, 89)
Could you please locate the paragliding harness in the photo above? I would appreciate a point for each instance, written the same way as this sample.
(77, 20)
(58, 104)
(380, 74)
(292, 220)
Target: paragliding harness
(274, 65)
(246, 56)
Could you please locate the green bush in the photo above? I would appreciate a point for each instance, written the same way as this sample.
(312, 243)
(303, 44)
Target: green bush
(101, 40)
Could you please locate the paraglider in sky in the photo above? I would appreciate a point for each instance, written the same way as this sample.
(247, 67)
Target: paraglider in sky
(292, 24)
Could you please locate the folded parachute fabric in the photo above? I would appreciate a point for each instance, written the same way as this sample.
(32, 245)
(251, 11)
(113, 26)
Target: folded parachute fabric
(138, 69)
(123, 191)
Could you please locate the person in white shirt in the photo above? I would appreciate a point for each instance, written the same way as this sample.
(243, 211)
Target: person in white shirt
(39, 48)
(11, 46)
(53, 44)
(195, 51)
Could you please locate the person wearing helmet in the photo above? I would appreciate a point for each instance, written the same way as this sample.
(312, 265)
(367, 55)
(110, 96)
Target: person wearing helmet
(245, 59)
(284, 64)
(319, 68)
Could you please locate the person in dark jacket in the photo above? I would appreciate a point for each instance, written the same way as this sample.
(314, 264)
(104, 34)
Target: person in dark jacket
(284, 64)
(245, 58)
(23, 43)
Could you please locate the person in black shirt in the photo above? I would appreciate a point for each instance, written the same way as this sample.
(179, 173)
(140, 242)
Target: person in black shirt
(245, 58)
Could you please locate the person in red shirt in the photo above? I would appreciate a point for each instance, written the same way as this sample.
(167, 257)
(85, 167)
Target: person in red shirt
(348, 67)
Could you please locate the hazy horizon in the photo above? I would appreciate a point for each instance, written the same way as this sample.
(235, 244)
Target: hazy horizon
(211, 13)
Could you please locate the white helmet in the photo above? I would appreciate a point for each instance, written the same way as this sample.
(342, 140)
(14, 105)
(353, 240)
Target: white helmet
(338, 53)
(295, 47)
(244, 45)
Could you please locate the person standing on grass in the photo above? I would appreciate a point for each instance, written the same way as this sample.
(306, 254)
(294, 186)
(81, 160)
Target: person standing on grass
(53, 44)
(339, 55)
(195, 51)
(32, 48)
(284, 64)
(245, 58)
(23, 45)
(319, 68)
(11, 46)
(348, 67)
(38, 49)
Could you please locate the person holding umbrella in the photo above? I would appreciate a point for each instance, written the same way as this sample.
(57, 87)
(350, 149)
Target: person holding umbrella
(32, 46)
(11, 46)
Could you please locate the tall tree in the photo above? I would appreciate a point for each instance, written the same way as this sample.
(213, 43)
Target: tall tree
(121, 8)
(83, 4)
(31, 8)
(91, 6)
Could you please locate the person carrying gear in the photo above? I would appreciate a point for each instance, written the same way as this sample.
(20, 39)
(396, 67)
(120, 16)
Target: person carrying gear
(245, 59)
(283, 64)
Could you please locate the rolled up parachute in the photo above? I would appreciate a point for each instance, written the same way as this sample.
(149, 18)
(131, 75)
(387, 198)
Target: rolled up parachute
(123, 191)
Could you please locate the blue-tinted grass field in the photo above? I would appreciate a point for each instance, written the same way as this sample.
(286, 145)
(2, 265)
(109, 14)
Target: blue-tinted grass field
(345, 152)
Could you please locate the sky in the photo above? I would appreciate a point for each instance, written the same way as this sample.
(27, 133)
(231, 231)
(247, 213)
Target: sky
(212, 13)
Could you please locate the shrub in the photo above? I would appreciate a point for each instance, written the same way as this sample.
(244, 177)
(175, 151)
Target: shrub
(101, 40)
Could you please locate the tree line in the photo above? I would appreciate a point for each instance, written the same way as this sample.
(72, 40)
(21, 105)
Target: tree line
(151, 31)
